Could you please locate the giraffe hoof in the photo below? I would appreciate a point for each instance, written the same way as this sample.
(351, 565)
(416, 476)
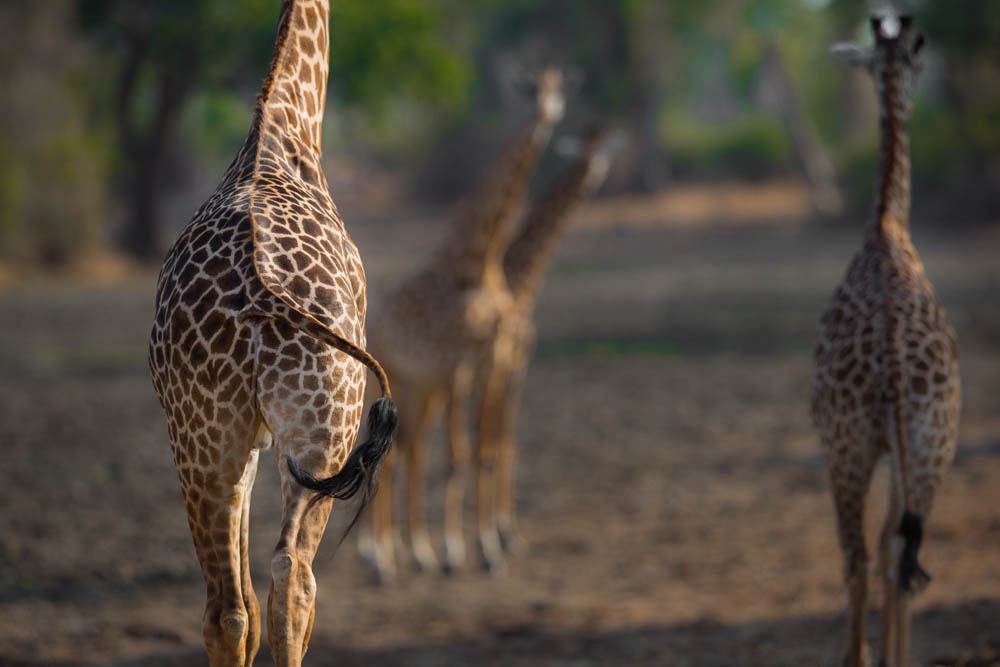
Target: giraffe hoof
(511, 542)
(864, 660)
(495, 565)
(382, 576)
(425, 561)
(497, 568)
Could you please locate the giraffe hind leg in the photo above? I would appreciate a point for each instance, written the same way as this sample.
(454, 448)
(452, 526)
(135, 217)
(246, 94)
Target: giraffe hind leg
(291, 603)
(850, 476)
(889, 548)
(458, 469)
(228, 626)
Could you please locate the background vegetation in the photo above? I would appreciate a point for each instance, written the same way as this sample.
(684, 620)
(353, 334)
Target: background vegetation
(118, 114)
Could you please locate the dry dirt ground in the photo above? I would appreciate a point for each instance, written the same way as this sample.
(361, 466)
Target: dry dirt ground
(672, 495)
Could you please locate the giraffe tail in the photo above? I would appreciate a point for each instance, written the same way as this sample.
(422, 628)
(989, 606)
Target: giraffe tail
(359, 475)
(912, 577)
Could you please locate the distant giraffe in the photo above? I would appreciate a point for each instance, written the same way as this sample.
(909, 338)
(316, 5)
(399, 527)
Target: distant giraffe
(258, 338)
(886, 367)
(501, 378)
(431, 333)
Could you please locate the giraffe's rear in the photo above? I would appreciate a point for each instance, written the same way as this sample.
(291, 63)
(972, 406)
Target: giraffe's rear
(886, 379)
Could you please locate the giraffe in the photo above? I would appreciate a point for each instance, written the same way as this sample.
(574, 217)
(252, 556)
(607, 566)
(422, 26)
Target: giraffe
(430, 334)
(258, 339)
(886, 377)
(502, 375)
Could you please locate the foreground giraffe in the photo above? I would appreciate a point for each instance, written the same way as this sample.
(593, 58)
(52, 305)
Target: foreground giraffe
(430, 335)
(258, 339)
(886, 368)
(499, 391)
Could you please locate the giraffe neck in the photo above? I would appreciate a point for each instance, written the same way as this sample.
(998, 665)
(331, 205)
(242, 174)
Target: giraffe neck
(530, 254)
(481, 230)
(892, 199)
(288, 119)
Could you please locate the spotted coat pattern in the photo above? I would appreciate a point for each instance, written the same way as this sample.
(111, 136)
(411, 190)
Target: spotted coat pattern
(886, 379)
(258, 338)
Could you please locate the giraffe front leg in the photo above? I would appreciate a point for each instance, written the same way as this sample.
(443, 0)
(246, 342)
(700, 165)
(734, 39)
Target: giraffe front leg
(491, 417)
(506, 477)
(381, 524)
(458, 468)
(510, 540)
(419, 415)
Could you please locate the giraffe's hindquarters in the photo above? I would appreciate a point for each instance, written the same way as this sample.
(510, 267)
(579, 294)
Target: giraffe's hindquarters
(207, 394)
(310, 397)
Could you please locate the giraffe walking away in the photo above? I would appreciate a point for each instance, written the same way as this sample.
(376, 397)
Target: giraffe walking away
(887, 379)
(430, 335)
(501, 376)
(259, 339)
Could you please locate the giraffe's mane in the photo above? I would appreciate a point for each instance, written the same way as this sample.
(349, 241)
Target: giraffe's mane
(284, 28)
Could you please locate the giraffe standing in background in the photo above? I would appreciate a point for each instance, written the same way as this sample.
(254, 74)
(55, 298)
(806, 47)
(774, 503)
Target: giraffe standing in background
(431, 333)
(258, 339)
(886, 367)
(501, 378)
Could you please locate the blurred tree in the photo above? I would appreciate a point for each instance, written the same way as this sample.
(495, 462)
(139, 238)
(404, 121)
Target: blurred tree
(956, 145)
(170, 50)
(52, 156)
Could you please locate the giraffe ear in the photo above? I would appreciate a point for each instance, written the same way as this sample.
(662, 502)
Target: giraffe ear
(918, 43)
(852, 54)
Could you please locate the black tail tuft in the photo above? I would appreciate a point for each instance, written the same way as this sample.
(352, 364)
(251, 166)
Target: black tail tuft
(912, 577)
(360, 472)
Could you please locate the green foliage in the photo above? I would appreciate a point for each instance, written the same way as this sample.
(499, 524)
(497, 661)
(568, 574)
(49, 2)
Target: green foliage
(408, 76)
(392, 48)
(53, 161)
(751, 145)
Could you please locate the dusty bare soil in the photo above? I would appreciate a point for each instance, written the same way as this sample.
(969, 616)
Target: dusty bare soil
(671, 491)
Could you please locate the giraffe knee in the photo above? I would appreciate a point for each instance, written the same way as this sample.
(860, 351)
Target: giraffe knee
(282, 565)
(224, 628)
(234, 624)
(288, 571)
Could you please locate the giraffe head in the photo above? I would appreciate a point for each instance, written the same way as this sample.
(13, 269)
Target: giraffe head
(547, 88)
(894, 61)
(549, 94)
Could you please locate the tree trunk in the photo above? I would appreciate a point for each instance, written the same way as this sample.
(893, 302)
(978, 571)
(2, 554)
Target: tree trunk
(642, 166)
(777, 92)
(141, 235)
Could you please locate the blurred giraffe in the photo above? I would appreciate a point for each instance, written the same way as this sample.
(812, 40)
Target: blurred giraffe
(258, 339)
(886, 367)
(502, 375)
(431, 333)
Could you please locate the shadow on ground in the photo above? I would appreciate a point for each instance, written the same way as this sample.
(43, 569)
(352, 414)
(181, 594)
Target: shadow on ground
(806, 640)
